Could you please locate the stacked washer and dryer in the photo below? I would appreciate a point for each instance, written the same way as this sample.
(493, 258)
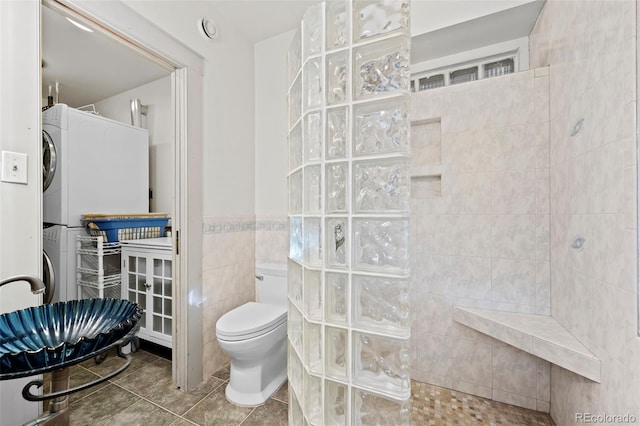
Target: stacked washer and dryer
(91, 164)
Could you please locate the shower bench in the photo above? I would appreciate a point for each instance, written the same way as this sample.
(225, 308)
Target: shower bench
(539, 335)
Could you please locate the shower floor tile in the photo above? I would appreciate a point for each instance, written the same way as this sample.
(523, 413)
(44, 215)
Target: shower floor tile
(144, 395)
(433, 405)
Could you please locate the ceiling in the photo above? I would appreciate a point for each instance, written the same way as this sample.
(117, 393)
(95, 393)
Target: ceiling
(91, 67)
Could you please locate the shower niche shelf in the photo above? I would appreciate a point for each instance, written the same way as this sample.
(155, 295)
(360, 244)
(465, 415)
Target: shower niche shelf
(425, 172)
(539, 335)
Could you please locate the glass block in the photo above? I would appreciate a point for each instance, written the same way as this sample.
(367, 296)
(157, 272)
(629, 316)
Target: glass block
(294, 327)
(313, 294)
(313, 347)
(312, 84)
(381, 127)
(295, 193)
(381, 185)
(381, 67)
(312, 242)
(381, 303)
(336, 133)
(312, 201)
(313, 136)
(313, 399)
(381, 245)
(379, 17)
(294, 283)
(371, 409)
(295, 375)
(295, 101)
(336, 352)
(337, 76)
(295, 412)
(335, 403)
(295, 147)
(382, 363)
(294, 57)
(336, 285)
(337, 251)
(337, 176)
(312, 31)
(295, 238)
(337, 31)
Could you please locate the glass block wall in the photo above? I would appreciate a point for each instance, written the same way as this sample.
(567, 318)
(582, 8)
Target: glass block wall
(349, 314)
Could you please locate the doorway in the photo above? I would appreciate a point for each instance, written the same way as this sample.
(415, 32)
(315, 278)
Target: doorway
(178, 70)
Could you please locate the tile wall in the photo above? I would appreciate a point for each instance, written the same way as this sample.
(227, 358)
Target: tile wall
(272, 239)
(591, 49)
(480, 219)
(228, 269)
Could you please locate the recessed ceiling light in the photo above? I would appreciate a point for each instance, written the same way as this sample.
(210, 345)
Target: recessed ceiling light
(82, 27)
(208, 28)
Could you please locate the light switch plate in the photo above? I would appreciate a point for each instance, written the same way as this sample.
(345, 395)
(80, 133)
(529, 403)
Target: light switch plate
(14, 167)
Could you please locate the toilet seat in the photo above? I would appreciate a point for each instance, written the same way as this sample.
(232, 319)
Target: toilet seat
(250, 320)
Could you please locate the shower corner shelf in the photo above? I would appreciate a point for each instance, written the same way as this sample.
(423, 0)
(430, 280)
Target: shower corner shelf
(426, 171)
(539, 335)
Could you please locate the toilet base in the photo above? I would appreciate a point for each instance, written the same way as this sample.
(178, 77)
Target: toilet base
(243, 399)
(258, 367)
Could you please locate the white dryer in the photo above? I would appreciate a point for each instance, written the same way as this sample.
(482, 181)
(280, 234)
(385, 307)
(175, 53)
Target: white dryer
(59, 244)
(92, 164)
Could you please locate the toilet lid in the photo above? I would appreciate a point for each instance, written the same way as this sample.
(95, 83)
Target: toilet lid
(250, 320)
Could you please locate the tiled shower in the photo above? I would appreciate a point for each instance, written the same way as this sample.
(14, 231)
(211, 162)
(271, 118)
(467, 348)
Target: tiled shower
(480, 228)
(505, 175)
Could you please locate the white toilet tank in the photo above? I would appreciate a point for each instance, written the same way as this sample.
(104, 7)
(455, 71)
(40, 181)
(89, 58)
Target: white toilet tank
(271, 283)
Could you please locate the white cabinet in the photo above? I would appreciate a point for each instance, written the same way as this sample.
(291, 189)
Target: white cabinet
(147, 280)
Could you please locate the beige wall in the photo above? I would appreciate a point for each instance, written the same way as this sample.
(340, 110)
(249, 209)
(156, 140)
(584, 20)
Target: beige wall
(481, 231)
(270, 75)
(228, 160)
(591, 49)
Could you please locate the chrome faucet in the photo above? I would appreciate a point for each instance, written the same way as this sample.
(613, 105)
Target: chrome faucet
(37, 286)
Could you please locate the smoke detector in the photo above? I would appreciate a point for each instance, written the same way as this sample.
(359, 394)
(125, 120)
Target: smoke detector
(208, 28)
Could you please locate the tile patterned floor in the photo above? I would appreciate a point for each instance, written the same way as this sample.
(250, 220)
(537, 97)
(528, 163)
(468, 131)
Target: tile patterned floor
(144, 395)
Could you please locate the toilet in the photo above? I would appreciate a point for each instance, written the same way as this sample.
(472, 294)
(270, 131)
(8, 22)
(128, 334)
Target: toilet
(255, 337)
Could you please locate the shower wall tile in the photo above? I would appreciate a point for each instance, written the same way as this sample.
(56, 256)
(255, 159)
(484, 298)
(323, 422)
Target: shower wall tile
(513, 236)
(541, 88)
(513, 148)
(467, 151)
(513, 192)
(482, 240)
(513, 281)
(469, 193)
(543, 288)
(514, 371)
(541, 143)
(593, 290)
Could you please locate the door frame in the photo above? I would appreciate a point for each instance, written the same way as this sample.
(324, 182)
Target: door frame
(126, 26)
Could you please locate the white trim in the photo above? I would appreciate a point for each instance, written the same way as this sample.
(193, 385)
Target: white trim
(123, 24)
(20, 205)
